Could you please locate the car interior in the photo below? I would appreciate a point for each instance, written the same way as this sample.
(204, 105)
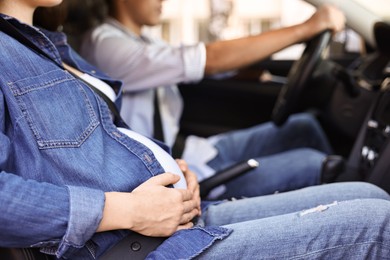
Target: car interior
(343, 91)
(348, 92)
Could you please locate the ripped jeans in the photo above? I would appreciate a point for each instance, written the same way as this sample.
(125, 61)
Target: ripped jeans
(334, 221)
(290, 157)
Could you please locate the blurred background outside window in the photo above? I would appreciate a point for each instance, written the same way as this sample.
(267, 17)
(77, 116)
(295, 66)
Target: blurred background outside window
(191, 21)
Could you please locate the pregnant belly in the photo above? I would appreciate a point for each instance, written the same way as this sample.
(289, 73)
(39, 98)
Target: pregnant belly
(164, 158)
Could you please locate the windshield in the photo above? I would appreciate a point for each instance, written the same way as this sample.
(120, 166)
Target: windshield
(379, 7)
(188, 21)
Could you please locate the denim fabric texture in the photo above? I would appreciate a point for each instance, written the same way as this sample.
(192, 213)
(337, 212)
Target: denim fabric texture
(335, 221)
(53, 179)
(290, 156)
(74, 165)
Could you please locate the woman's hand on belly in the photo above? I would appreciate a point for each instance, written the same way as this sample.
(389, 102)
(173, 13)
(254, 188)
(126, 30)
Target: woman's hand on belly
(155, 210)
(192, 182)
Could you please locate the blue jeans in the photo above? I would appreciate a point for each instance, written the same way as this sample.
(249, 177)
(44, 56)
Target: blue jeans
(290, 156)
(352, 223)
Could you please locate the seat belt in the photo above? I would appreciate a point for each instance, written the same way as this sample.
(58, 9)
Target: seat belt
(158, 132)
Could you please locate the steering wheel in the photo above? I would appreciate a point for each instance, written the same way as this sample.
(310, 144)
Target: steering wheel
(298, 76)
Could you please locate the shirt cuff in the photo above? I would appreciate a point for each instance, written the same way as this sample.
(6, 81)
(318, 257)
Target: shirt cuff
(86, 212)
(194, 61)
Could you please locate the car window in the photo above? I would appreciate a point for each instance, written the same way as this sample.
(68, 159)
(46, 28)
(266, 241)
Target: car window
(379, 7)
(188, 21)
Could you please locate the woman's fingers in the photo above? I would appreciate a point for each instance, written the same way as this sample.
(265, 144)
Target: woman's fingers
(164, 179)
(182, 165)
(185, 226)
(188, 217)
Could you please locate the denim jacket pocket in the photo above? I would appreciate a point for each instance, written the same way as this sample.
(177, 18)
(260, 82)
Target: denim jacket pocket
(57, 109)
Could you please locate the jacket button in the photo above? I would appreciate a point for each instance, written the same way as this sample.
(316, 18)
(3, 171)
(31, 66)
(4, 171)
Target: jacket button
(135, 246)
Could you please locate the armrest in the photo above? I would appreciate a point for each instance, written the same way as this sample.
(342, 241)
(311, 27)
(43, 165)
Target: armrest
(226, 175)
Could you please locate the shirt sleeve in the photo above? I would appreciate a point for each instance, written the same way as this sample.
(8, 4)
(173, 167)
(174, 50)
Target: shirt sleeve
(45, 215)
(85, 213)
(143, 65)
(31, 212)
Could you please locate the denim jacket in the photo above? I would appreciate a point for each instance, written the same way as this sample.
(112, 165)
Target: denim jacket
(59, 153)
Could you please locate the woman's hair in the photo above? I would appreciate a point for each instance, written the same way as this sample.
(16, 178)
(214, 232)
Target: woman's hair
(73, 17)
(51, 18)
(110, 6)
(109, 3)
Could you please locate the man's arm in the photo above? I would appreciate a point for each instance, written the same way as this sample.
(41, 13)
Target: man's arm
(234, 54)
(144, 66)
